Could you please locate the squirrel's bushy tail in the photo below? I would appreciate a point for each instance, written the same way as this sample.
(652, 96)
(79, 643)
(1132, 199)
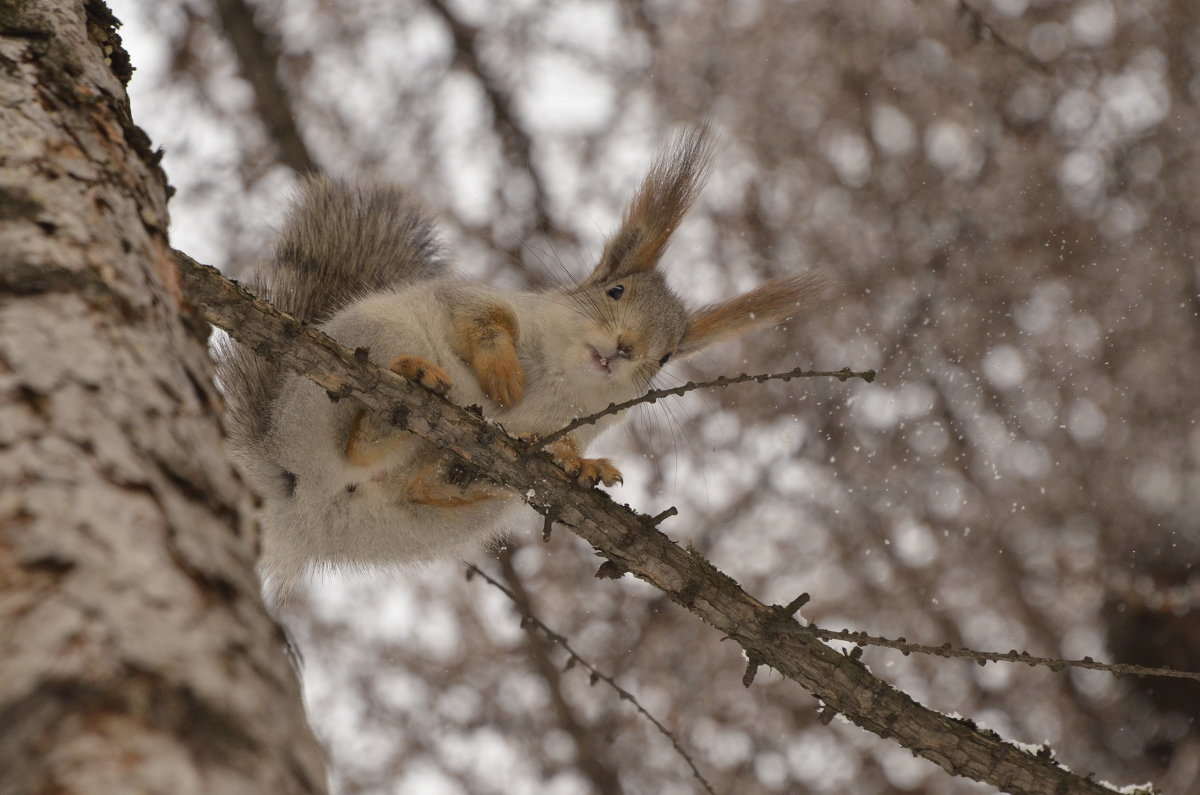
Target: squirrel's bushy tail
(340, 241)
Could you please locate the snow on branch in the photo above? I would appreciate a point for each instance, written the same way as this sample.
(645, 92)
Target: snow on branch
(768, 633)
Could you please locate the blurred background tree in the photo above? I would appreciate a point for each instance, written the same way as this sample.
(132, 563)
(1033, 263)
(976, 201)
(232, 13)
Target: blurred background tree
(1008, 189)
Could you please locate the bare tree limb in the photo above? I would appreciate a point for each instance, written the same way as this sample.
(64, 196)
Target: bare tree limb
(767, 633)
(258, 60)
(641, 20)
(982, 30)
(513, 137)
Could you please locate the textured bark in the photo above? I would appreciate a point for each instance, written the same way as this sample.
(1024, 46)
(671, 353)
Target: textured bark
(135, 652)
(632, 544)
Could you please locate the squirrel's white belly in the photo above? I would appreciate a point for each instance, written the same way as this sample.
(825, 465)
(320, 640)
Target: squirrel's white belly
(366, 516)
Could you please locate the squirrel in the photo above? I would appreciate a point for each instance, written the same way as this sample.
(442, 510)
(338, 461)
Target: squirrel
(343, 487)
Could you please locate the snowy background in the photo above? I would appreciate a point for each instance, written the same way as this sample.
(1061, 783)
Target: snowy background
(1008, 189)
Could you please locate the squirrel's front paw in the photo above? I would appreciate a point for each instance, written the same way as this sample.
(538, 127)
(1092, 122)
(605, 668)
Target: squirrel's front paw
(500, 375)
(586, 471)
(423, 371)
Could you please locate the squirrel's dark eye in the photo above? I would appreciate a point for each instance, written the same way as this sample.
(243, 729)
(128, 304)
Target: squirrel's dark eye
(616, 291)
(663, 360)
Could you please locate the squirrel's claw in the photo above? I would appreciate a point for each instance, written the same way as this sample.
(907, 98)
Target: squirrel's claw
(424, 372)
(598, 470)
(585, 471)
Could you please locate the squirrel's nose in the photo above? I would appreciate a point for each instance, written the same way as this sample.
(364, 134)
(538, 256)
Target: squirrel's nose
(624, 348)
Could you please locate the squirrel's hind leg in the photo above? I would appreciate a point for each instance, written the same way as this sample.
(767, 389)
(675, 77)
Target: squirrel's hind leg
(364, 446)
(442, 485)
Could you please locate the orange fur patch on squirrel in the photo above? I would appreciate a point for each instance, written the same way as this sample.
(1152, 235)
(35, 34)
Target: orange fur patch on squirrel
(488, 338)
(362, 449)
(430, 486)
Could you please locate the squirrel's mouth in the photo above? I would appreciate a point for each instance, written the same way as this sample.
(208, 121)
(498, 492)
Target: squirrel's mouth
(600, 361)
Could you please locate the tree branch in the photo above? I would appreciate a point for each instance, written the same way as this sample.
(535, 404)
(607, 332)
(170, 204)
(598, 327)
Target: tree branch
(258, 59)
(982, 30)
(767, 633)
(516, 141)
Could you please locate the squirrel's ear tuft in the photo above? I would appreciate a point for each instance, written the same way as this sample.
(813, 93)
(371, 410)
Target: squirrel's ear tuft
(771, 303)
(665, 196)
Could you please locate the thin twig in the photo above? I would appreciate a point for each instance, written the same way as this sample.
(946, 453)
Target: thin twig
(725, 380)
(575, 658)
(593, 755)
(946, 650)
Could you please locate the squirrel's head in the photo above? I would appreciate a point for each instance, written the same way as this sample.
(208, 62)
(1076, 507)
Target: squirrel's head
(636, 322)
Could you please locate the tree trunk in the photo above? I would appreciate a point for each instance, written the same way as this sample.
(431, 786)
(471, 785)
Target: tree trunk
(135, 652)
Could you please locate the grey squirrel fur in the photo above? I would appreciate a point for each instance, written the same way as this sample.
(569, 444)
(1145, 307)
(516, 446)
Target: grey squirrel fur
(362, 260)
